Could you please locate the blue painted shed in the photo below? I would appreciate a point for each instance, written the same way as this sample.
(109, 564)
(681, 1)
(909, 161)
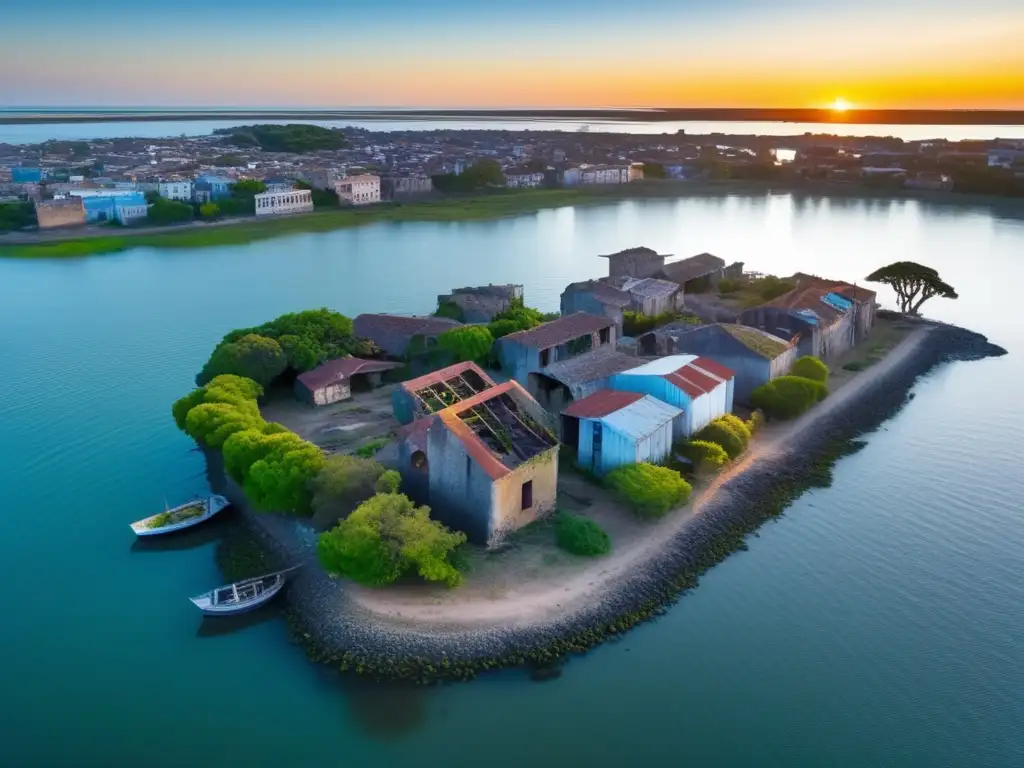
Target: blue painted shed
(612, 429)
(23, 175)
(701, 394)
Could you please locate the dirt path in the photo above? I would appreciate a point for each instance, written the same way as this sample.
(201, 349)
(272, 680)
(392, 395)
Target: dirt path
(537, 582)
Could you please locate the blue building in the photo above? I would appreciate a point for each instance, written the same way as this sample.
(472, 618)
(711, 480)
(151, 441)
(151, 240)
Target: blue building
(125, 208)
(209, 188)
(702, 389)
(611, 429)
(22, 175)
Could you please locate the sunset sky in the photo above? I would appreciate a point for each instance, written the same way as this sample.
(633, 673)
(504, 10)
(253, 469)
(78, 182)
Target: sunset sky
(476, 53)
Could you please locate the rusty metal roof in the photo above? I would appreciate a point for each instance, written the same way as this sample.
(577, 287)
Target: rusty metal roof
(601, 404)
(559, 331)
(342, 368)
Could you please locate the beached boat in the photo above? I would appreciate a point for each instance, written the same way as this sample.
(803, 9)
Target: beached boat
(242, 595)
(184, 516)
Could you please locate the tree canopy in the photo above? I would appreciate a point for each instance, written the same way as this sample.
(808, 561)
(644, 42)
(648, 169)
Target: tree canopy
(299, 341)
(914, 284)
(16, 215)
(386, 537)
(518, 317)
(344, 483)
(481, 174)
(470, 342)
(293, 137)
(164, 211)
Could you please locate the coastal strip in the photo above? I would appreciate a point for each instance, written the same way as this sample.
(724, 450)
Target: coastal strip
(335, 630)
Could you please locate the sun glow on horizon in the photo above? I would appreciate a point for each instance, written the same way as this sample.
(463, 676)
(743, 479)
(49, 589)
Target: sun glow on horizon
(841, 105)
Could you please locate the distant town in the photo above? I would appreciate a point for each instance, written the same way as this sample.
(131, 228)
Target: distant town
(263, 170)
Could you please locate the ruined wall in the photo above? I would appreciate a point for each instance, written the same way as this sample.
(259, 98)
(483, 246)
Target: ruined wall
(60, 213)
(507, 513)
(460, 492)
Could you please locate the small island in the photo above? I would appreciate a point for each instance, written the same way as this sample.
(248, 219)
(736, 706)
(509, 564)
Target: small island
(492, 486)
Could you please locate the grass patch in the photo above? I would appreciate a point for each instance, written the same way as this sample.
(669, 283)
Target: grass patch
(370, 450)
(580, 535)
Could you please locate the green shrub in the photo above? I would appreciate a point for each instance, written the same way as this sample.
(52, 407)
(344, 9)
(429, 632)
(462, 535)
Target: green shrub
(647, 489)
(727, 431)
(706, 456)
(580, 535)
(499, 328)
(468, 343)
(389, 482)
(342, 484)
(788, 397)
(729, 285)
(450, 310)
(755, 422)
(371, 449)
(386, 537)
(253, 356)
(810, 367)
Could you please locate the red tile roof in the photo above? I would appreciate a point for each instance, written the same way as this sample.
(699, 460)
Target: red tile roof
(560, 331)
(601, 404)
(342, 368)
(414, 385)
(714, 368)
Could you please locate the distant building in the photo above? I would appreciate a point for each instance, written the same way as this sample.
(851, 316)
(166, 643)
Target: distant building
(523, 179)
(611, 429)
(481, 303)
(124, 208)
(358, 190)
(175, 190)
(278, 185)
(1005, 158)
(68, 212)
(294, 201)
(525, 354)
(333, 381)
(23, 175)
(755, 356)
(598, 298)
(651, 296)
(405, 186)
(395, 333)
(211, 188)
(635, 262)
(596, 174)
(322, 178)
(636, 172)
(561, 383)
(488, 463)
(700, 388)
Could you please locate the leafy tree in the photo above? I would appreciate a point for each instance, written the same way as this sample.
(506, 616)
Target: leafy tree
(256, 357)
(15, 216)
(450, 310)
(471, 342)
(343, 483)
(244, 448)
(151, 196)
(247, 188)
(213, 423)
(164, 211)
(518, 317)
(209, 210)
(281, 480)
(389, 482)
(581, 535)
(286, 138)
(706, 456)
(649, 490)
(810, 367)
(788, 396)
(236, 391)
(388, 536)
(499, 328)
(914, 284)
(654, 171)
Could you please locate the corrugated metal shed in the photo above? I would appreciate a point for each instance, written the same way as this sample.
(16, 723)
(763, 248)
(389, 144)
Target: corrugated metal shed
(662, 366)
(601, 404)
(641, 418)
(638, 431)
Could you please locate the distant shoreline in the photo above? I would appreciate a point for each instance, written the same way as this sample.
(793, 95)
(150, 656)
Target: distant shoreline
(94, 241)
(653, 115)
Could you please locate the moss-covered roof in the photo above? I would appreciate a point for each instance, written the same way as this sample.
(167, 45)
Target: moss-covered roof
(756, 340)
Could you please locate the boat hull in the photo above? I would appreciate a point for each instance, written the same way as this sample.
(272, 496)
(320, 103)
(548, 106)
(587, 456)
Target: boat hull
(214, 504)
(205, 603)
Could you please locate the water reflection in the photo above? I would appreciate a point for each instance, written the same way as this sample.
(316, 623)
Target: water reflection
(217, 626)
(385, 710)
(190, 538)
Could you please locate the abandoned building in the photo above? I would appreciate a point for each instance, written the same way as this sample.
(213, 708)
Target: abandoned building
(755, 356)
(433, 392)
(701, 388)
(395, 334)
(823, 319)
(486, 465)
(610, 429)
(482, 303)
(651, 296)
(334, 380)
(524, 354)
(561, 383)
(598, 298)
(696, 274)
(635, 262)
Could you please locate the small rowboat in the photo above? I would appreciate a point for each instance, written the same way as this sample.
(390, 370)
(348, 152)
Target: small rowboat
(242, 595)
(184, 516)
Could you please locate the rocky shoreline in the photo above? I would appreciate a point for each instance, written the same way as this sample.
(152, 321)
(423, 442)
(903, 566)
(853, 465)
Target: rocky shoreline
(336, 632)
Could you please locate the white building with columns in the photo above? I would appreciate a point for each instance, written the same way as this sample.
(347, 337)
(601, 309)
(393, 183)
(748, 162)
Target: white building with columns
(175, 190)
(292, 201)
(358, 190)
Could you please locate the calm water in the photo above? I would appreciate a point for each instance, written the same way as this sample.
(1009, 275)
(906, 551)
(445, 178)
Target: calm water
(32, 134)
(880, 622)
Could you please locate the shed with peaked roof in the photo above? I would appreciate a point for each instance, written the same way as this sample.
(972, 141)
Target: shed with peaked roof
(560, 383)
(610, 429)
(687, 272)
(395, 333)
(332, 381)
(699, 387)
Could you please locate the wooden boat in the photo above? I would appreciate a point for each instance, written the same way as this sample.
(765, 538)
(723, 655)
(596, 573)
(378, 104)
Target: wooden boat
(184, 516)
(242, 595)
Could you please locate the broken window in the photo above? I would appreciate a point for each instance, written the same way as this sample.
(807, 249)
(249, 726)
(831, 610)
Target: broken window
(605, 335)
(545, 357)
(528, 494)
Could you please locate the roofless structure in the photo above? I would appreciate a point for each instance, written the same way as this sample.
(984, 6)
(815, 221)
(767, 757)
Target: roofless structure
(438, 390)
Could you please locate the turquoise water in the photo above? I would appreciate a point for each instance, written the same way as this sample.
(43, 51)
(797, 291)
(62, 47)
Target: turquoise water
(880, 622)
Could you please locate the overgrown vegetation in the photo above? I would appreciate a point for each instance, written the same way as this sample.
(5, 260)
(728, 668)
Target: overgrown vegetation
(810, 367)
(342, 484)
(297, 341)
(387, 537)
(518, 317)
(273, 465)
(480, 175)
(752, 291)
(649, 490)
(15, 216)
(637, 323)
(468, 343)
(580, 535)
(728, 431)
(293, 137)
(371, 449)
(788, 396)
(707, 457)
(450, 310)
(163, 211)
